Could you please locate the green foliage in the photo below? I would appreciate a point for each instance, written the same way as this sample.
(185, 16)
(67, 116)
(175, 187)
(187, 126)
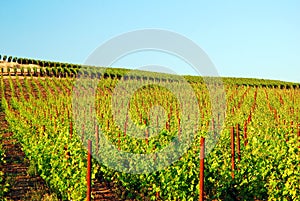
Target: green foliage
(61, 161)
(15, 70)
(269, 166)
(29, 71)
(42, 71)
(67, 72)
(3, 186)
(35, 71)
(48, 71)
(22, 70)
(54, 71)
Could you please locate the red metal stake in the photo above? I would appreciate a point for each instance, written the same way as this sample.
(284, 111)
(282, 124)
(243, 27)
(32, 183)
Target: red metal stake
(298, 133)
(179, 129)
(146, 133)
(97, 139)
(125, 125)
(201, 182)
(157, 195)
(238, 142)
(89, 169)
(218, 122)
(245, 134)
(249, 117)
(147, 136)
(71, 129)
(213, 128)
(82, 135)
(232, 151)
(119, 141)
(44, 129)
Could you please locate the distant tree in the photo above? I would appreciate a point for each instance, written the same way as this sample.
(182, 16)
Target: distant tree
(40, 63)
(99, 75)
(25, 61)
(4, 58)
(9, 59)
(106, 75)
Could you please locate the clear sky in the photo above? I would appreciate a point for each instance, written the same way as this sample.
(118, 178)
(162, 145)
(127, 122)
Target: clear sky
(258, 39)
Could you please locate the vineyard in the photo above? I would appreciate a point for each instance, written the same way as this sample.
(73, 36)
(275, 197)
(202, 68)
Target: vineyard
(248, 128)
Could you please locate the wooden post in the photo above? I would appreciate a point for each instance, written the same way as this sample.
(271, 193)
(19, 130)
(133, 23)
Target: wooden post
(89, 168)
(201, 182)
(232, 151)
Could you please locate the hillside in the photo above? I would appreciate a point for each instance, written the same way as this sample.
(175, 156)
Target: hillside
(145, 141)
(24, 66)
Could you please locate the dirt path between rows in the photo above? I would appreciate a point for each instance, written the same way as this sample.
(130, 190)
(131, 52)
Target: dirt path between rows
(24, 183)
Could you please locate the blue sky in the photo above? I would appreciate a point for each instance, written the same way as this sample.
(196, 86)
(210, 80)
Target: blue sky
(258, 39)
